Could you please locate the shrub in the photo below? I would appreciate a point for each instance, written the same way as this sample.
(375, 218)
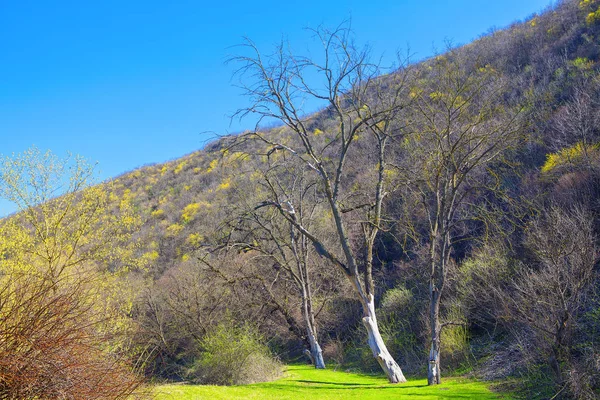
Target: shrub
(50, 346)
(573, 155)
(400, 322)
(455, 341)
(189, 212)
(233, 355)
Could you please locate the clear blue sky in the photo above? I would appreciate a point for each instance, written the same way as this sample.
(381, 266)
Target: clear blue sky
(127, 83)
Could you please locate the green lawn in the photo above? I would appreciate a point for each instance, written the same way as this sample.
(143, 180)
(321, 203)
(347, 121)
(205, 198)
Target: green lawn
(304, 382)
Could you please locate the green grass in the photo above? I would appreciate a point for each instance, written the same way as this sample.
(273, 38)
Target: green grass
(304, 382)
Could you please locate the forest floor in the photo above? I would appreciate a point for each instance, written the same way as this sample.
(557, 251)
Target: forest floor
(304, 382)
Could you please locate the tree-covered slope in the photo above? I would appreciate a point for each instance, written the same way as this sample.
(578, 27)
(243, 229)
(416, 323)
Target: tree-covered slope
(220, 246)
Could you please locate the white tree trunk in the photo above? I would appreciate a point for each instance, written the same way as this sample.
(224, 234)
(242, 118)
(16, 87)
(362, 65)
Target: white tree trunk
(433, 367)
(434, 373)
(315, 354)
(380, 351)
(315, 351)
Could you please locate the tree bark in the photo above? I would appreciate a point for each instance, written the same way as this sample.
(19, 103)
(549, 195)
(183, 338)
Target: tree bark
(433, 366)
(439, 258)
(316, 354)
(380, 351)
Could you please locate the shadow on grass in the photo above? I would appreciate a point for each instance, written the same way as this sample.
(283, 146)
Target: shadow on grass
(388, 392)
(345, 386)
(334, 383)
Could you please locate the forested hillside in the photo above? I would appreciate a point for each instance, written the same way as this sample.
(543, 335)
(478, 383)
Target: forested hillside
(441, 218)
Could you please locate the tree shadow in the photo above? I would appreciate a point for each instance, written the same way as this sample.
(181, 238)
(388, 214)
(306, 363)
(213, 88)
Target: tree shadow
(333, 383)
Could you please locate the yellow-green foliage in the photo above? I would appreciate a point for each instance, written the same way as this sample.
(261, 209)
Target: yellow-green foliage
(91, 223)
(81, 239)
(593, 17)
(454, 338)
(158, 213)
(151, 255)
(179, 167)
(213, 164)
(234, 355)
(195, 239)
(173, 230)
(390, 175)
(396, 300)
(190, 211)
(533, 22)
(592, 8)
(225, 184)
(255, 176)
(569, 155)
(415, 92)
(583, 63)
(436, 95)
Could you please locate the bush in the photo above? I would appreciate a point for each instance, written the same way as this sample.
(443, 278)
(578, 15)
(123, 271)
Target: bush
(233, 355)
(400, 326)
(50, 347)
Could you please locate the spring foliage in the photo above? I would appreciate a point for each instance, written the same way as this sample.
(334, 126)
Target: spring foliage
(63, 304)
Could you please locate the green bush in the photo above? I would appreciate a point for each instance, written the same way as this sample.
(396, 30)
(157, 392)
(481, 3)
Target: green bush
(233, 355)
(399, 326)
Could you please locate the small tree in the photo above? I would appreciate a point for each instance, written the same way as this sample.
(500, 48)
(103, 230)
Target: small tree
(233, 355)
(460, 127)
(59, 320)
(64, 223)
(289, 262)
(362, 105)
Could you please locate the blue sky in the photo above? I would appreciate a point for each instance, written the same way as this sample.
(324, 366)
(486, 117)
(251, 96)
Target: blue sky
(127, 83)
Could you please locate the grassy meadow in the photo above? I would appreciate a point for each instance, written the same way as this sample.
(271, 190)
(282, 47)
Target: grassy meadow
(304, 382)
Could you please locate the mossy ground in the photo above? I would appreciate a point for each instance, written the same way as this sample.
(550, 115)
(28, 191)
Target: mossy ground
(304, 382)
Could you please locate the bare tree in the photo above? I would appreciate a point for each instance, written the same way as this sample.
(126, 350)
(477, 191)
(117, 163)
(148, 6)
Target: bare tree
(550, 297)
(577, 121)
(276, 243)
(362, 106)
(461, 126)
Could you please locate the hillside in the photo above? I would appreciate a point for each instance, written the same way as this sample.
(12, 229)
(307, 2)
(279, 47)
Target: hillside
(545, 58)
(521, 280)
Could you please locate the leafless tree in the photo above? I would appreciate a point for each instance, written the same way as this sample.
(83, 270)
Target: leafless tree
(289, 258)
(461, 127)
(362, 106)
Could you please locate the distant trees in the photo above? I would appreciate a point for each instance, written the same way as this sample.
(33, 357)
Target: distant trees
(362, 107)
(460, 127)
(61, 320)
